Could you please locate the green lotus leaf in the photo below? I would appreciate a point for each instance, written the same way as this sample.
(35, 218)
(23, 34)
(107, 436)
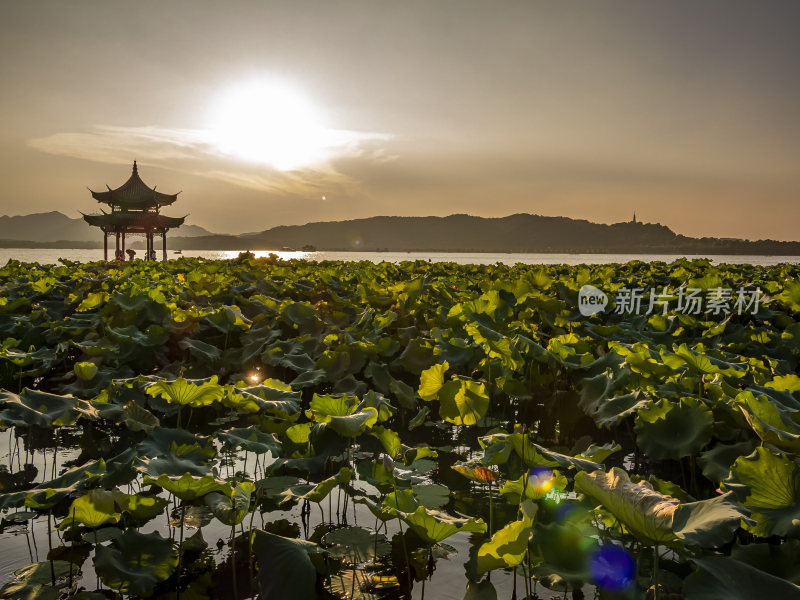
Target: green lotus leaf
(34, 581)
(536, 486)
(135, 562)
(480, 591)
(355, 424)
(431, 495)
(433, 526)
(781, 560)
(404, 394)
(356, 544)
(708, 523)
(668, 429)
(322, 408)
(772, 422)
(463, 401)
(272, 397)
(194, 393)
(768, 485)
(140, 506)
(376, 474)
(535, 455)
(789, 383)
(719, 577)
(717, 462)
(161, 441)
(507, 547)
(380, 403)
(320, 491)
(137, 418)
(389, 439)
(32, 407)
(231, 510)
(431, 381)
(94, 509)
(285, 567)
(272, 489)
(189, 488)
(419, 418)
(85, 371)
(599, 453)
(251, 439)
(201, 351)
(98, 536)
(411, 455)
(700, 362)
(174, 466)
(647, 514)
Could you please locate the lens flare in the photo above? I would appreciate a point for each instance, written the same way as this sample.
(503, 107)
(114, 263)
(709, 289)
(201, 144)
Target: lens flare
(541, 479)
(612, 568)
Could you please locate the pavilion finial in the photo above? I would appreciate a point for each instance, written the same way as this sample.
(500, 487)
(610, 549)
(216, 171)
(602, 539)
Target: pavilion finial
(135, 169)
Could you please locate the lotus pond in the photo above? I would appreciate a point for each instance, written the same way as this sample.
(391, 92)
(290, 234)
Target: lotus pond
(293, 429)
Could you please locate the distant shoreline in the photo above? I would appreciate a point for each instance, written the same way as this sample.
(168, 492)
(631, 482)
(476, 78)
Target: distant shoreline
(62, 245)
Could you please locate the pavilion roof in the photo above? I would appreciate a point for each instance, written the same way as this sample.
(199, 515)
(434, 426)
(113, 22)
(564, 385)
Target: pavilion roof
(134, 195)
(134, 222)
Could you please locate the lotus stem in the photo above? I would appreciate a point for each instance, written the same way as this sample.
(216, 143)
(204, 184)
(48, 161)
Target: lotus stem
(233, 560)
(655, 573)
(50, 550)
(180, 555)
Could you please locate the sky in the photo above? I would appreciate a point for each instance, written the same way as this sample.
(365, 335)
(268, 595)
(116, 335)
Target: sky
(275, 113)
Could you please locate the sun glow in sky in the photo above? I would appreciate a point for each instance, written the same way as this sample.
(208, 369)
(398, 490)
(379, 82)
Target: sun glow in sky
(680, 111)
(269, 123)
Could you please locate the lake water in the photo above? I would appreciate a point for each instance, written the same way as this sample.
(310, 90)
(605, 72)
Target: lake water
(50, 255)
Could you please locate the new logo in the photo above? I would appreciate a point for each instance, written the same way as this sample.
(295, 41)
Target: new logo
(591, 300)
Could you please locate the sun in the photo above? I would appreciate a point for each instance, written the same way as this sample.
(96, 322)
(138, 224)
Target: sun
(268, 123)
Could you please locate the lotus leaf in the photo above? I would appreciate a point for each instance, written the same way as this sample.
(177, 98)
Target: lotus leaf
(646, 513)
(135, 562)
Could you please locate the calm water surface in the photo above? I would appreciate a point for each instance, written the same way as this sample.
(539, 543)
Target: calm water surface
(83, 255)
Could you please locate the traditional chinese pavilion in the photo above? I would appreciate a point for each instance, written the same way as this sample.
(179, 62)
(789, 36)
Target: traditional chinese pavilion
(134, 211)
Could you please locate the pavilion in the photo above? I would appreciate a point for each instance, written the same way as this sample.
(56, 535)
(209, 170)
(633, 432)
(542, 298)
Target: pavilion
(134, 211)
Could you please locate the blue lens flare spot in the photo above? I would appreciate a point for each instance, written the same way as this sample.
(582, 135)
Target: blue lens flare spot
(612, 568)
(541, 479)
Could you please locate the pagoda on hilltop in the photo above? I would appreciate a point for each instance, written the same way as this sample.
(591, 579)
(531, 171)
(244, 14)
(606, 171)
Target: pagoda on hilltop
(134, 211)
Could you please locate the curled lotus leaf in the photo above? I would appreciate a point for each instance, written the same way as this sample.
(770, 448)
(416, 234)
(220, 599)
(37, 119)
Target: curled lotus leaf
(286, 567)
(135, 562)
(768, 485)
(668, 429)
(722, 577)
(647, 514)
(188, 487)
(232, 509)
(434, 526)
(252, 439)
(32, 407)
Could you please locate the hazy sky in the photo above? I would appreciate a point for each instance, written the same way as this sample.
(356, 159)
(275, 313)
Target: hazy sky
(269, 113)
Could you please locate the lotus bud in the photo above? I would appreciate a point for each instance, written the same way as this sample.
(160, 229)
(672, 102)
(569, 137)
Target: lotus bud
(388, 463)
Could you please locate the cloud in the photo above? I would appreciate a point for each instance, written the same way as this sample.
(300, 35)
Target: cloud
(193, 151)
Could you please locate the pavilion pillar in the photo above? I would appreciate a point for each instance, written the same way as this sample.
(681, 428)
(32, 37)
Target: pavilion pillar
(105, 245)
(163, 245)
(150, 246)
(116, 254)
(123, 244)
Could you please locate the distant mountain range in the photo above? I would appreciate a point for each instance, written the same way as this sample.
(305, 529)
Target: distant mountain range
(54, 229)
(521, 233)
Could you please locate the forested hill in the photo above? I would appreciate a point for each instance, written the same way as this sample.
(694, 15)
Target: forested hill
(465, 233)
